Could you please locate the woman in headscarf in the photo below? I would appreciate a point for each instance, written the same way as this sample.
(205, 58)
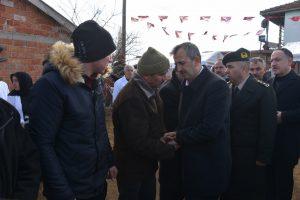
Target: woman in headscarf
(18, 97)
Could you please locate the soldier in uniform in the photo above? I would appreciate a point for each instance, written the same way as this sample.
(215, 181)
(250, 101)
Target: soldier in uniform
(253, 126)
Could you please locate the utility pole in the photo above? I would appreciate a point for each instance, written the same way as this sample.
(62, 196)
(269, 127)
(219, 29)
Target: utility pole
(123, 48)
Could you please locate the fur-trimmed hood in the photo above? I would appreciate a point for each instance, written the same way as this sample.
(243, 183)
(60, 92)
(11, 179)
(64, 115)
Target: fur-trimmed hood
(62, 57)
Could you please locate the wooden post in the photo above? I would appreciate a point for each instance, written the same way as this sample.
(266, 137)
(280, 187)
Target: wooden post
(123, 48)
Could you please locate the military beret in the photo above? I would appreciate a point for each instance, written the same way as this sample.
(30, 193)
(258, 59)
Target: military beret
(238, 55)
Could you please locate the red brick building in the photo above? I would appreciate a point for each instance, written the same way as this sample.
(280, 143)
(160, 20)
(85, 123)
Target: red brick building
(27, 29)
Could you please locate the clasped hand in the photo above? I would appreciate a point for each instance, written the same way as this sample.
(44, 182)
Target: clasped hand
(170, 138)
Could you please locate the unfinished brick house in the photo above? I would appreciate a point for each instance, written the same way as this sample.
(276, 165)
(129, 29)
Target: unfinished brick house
(27, 29)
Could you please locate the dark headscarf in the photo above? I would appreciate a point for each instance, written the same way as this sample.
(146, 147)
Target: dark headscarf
(25, 83)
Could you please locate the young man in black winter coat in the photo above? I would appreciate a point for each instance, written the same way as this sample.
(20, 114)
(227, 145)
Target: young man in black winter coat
(67, 118)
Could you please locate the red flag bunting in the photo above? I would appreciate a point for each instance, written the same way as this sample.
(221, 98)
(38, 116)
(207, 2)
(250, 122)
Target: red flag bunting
(133, 19)
(214, 37)
(225, 37)
(260, 32)
(177, 33)
(183, 18)
(190, 35)
(248, 18)
(233, 35)
(150, 25)
(165, 30)
(143, 17)
(162, 18)
(205, 33)
(247, 33)
(205, 18)
(225, 19)
(295, 18)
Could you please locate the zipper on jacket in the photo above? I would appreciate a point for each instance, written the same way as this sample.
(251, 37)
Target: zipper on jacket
(94, 93)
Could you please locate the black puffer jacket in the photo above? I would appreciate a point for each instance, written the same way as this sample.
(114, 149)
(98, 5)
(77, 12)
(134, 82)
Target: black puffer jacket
(67, 123)
(19, 161)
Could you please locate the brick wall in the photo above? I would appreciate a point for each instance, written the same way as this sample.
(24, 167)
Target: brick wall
(26, 34)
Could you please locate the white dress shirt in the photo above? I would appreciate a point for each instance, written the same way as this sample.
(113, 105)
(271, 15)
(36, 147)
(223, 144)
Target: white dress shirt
(118, 85)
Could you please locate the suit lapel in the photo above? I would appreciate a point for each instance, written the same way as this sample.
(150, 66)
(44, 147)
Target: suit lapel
(187, 95)
(285, 84)
(245, 94)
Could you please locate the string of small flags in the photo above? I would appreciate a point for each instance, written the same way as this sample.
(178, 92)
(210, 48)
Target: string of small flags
(183, 19)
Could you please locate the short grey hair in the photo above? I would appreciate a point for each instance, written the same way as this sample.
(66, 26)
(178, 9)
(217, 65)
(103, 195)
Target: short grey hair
(127, 67)
(257, 60)
(190, 49)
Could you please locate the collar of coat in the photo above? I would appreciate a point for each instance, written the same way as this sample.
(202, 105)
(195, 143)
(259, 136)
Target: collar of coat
(200, 79)
(149, 92)
(290, 76)
(69, 67)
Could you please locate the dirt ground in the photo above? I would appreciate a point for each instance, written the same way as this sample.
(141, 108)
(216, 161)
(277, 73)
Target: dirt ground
(112, 191)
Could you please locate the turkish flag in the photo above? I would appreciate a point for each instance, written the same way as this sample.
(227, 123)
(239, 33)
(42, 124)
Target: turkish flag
(190, 35)
(133, 19)
(205, 18)
(225, 37)
(183, 18)
(260, 32)
(143, 17)
(248, 18)
(225, 19)
(150, 25)
(295, 18)
(177, 33)
(165, 30)
(161, 18)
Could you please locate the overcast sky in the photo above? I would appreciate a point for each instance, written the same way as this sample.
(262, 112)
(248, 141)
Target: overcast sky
(156, 38)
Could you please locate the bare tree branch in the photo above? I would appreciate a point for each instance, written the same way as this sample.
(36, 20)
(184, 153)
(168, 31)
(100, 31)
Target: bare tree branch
(133, 46)
(72, 10)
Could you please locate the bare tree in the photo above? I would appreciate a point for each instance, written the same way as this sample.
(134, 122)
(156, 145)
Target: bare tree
(73, 10)
(133, 46)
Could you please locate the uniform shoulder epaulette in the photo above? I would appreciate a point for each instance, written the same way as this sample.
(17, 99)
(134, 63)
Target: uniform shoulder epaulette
(229, 83)
(263, 83)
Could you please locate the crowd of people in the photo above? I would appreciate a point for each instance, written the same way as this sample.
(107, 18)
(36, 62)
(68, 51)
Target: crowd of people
(231, 132)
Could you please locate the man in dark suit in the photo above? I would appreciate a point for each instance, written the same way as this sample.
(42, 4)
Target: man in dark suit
(203, 130)
(286, 152)
(220, 69)
(253, 125)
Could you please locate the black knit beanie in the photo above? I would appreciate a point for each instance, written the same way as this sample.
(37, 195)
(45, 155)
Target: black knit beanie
(92, 42)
